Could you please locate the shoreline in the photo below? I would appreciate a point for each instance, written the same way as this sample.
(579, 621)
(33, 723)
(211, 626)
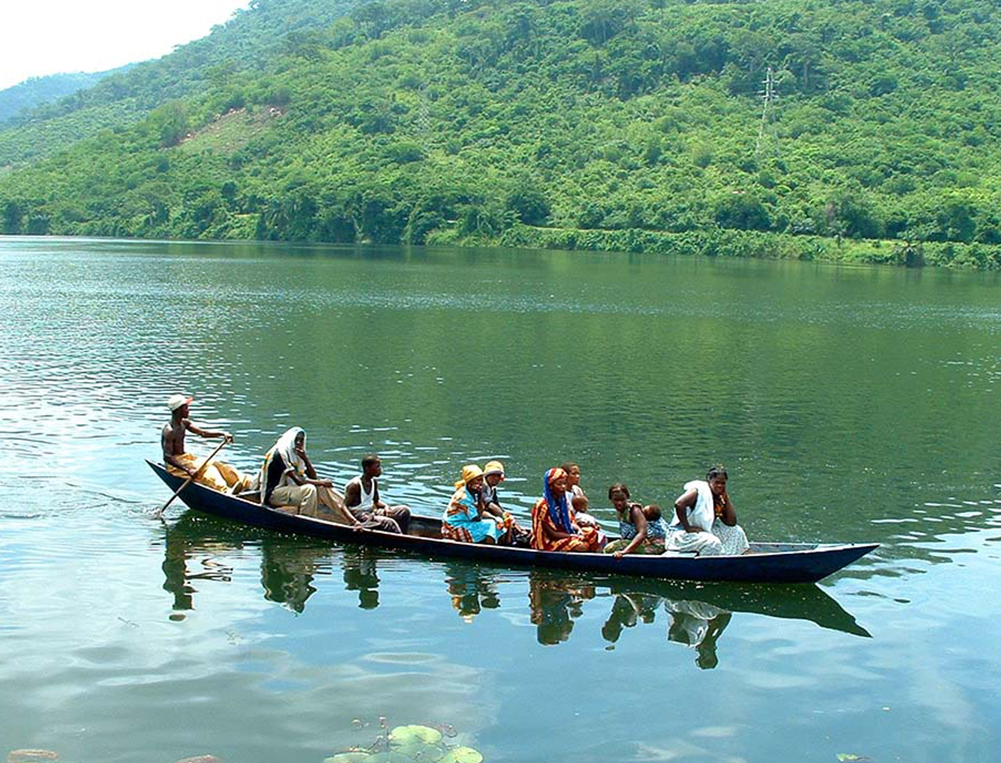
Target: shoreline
(710, 244)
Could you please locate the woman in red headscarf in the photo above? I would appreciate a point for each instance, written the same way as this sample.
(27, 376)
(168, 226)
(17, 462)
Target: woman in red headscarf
(553, 526)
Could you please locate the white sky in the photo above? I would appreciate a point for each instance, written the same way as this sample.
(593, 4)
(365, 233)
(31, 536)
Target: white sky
(39, 37)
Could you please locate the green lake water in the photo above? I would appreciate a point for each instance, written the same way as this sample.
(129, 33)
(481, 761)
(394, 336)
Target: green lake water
(849, 404)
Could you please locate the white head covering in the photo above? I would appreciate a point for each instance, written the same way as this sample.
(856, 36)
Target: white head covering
(286, 448)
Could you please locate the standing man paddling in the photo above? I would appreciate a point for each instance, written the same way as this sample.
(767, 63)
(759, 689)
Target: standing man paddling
(216, 474)
(361, 496)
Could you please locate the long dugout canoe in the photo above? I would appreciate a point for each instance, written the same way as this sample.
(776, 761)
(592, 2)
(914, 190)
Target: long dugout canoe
(765, 563)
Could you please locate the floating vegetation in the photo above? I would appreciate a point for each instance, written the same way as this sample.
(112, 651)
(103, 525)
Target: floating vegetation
(410, 744)
(402, 744)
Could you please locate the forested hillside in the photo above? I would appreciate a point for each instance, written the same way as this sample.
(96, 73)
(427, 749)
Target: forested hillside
(37, 91)
(611, 124)
(246, 43)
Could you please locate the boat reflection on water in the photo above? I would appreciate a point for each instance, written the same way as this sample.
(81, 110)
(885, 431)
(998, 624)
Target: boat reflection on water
(694, 614)
(697, 614)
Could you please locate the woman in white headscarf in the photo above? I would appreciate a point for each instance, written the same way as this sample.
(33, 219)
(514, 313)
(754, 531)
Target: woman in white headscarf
(704, 521)
(289, 481)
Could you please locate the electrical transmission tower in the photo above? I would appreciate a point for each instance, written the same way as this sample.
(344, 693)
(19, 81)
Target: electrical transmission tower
(769, 96)
(422, 120)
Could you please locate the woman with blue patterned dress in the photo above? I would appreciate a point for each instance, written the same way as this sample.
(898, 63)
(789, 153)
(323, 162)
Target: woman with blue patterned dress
(464, 518)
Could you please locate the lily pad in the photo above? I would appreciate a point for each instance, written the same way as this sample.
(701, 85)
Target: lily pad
(389, 757)
(349, 757)
(405, 735)
(462, 755)
(421, 752)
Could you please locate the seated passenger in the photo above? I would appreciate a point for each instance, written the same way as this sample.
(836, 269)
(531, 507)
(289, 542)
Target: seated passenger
(576, 492)
(464, 518)
(642, 529)
(704, 521)
(288, 480)
(493, 475)
(361, 496)
(216, 474)
(553, 526)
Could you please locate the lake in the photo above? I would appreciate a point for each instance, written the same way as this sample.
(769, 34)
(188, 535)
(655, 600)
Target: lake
(848, 404)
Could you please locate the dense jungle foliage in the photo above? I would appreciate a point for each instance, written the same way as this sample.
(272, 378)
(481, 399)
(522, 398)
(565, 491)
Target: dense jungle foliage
(600, 124)
(37, 91)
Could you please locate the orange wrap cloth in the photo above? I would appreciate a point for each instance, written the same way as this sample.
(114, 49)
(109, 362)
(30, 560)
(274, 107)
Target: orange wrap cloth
(218, 475)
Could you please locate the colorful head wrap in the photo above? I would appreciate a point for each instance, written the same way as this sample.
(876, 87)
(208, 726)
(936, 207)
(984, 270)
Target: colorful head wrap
(469, 473)
(558, 510)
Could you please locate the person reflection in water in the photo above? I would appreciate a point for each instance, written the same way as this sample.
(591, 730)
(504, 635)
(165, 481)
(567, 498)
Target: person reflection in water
(360, 575)
(694, 623)
(288, 566)
(471, 590)
(184, 542)
(699, 625)
(628, 609)
(555, 603)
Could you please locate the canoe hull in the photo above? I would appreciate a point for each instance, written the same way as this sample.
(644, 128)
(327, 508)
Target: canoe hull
(778, 563)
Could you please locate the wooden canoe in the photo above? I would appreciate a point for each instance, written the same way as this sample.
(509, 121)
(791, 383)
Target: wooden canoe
(765, 563)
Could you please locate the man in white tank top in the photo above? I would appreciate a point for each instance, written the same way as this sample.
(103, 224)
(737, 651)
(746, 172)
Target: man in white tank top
(361, 496)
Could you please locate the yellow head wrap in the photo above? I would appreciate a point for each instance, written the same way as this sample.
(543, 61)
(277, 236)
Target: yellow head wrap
(469, 472)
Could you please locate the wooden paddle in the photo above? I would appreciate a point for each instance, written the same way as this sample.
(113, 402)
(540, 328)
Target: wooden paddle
(159, 514)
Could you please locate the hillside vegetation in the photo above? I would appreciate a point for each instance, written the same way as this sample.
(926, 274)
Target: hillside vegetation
(601, 124)
(38, 91)
(244, 44)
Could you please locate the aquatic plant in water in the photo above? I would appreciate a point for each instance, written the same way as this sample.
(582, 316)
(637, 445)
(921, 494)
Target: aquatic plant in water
(409, 744)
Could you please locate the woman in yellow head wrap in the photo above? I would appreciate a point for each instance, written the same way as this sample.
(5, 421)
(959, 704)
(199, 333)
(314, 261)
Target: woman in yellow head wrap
(464, 518)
